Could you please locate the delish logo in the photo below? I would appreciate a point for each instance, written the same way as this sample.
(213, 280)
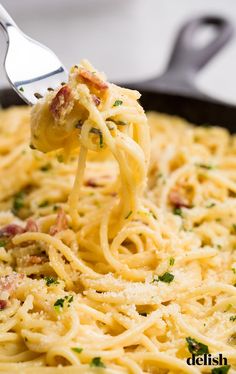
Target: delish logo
(207, 359)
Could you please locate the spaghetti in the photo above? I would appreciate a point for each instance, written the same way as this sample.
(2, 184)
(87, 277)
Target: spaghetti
(101, 266)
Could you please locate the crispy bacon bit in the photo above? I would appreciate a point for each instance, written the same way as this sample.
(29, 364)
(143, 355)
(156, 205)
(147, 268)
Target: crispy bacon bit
(96, 100)
(60, 102)
(91, 183)
(35, 260)
(14, 229)
(93, 79)
(31, 226)
(9, 282)
(3, 304)
(11, 230)
(61, 223)
(178, 200)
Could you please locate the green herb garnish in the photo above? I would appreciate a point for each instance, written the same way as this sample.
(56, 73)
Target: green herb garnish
(69, 299)
(171, 261)
(58, 305)
(221, 370)
(2, 243)
(77, 349)
(195, 347)
(233, 318)
(128, 215)
(18, 201)
(46, 167)
(100, 141)
(166, 277)
(154, 216)
(21, 89)
(60, 158)
(50, 280)
(205, 166)
(43, 204)
(118, 102)
(97, 362)
(210, 205)
(178, 212)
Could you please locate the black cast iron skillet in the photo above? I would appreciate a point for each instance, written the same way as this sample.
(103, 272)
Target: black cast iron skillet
(174, 92)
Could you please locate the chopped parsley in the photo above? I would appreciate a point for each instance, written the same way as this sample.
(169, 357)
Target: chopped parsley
(178, 212)
(171, 261)
(195, 347)
(118, 102)
(2, 243)
(221, 370)
(166, 277)
(50, 280)
(234, 270)
(77, 349)
(100, 140)
(154, 216)
(97, 362)
(18, 201)
(59, 304)
(233, 318)
(205, 166)
(60, 158)
(21, 89)
(128, 215)
(46, 167)
(43, 204)
(69, 299)
(210, 205)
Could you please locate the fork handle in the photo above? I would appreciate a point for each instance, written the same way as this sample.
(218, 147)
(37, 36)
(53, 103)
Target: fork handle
(5, 19)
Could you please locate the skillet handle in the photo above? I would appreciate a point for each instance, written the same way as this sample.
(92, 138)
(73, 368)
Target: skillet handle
(186, 60)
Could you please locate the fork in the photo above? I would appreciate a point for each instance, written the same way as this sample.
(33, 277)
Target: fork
(31, 68)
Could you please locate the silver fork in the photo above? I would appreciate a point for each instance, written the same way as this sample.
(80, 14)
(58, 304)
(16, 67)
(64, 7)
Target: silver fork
(32, 69)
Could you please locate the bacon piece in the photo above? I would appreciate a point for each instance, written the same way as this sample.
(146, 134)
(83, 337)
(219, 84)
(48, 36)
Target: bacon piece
(3, 304)
(92, 79)
(14, 229)
(9, 283)
(96, 100)
(31, 226)
(178, 200)
(61, 223)
(11, 230)
(35, 260)
(60, 102)
(91, 183)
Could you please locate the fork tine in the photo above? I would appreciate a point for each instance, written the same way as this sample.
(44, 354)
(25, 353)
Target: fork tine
(37, 68)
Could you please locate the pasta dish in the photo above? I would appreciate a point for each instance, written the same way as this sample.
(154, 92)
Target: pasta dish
(117, 236)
